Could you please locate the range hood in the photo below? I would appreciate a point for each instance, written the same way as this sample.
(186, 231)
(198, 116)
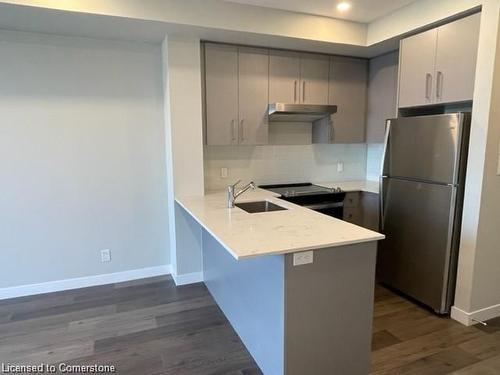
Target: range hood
(282, 112)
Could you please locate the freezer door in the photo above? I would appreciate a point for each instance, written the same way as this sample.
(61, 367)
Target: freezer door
(418, 224)
(425, 148)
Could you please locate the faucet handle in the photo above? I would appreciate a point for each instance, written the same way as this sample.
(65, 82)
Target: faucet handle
(235, 184)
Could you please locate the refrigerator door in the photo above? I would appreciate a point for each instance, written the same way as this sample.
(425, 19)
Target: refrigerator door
(418, 224)
(425, 148)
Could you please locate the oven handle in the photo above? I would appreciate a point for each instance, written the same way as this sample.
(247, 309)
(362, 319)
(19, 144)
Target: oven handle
(322, 206)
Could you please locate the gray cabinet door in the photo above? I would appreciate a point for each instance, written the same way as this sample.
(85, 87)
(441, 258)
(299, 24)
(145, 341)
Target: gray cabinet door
(416, 75)
(253, 95)
(382, 95)
(348, 90)
(456, 57)
(221, 94)
(314, 71)
(284, 76)
(370, 205)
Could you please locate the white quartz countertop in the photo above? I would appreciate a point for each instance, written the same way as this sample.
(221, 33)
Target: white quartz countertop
(247, 235)
(350, 186)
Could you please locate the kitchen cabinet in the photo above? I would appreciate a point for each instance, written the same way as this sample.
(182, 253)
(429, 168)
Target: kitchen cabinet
(284, 76)
(352, 209)
(438, 66)
(370, 207)
(298, 78)
(382, 95)
(362, 208)
(347, 90)
(253, 73)
(456, 56)
(236, 95)
(221, 94)
(314, 72)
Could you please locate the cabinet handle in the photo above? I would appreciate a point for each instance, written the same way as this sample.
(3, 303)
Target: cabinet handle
(233, 138)
(242, 136)
(428, 85)
(303, 91)
(439, 84)
(295, 91)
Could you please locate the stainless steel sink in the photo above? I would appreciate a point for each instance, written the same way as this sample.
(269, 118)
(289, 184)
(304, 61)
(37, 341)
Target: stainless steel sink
(259, 206)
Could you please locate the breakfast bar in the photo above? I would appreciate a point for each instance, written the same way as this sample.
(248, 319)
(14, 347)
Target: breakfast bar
(296, 285)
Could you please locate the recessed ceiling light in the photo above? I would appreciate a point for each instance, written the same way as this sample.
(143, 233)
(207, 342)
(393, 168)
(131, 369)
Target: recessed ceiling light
(343, 6)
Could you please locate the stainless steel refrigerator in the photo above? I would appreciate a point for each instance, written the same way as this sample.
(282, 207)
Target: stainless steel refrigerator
(422, 188)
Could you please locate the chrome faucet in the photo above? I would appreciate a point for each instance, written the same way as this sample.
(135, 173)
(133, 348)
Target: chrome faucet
(232, 195)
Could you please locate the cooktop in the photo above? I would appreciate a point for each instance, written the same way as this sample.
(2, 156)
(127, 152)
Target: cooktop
(301, 189)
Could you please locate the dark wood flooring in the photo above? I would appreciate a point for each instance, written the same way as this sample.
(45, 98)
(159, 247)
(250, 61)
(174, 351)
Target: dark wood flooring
(150, 326)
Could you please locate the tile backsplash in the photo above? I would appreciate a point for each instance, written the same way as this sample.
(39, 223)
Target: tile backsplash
(374, 153)
(283, 163)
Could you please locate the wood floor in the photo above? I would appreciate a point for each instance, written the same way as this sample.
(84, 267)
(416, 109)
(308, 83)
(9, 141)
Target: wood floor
(151, 327)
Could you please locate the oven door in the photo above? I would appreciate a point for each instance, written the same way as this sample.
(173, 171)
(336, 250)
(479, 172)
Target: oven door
(334, 209)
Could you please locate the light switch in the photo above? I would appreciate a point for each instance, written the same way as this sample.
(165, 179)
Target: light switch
(304, 257)
(223, 172)
(340, 167)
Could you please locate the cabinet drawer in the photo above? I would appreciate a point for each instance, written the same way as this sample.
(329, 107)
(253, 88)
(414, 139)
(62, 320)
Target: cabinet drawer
(351, 200)
(352, 215)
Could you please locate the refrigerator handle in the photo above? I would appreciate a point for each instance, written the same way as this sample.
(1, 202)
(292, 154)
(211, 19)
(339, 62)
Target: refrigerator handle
(382, 174)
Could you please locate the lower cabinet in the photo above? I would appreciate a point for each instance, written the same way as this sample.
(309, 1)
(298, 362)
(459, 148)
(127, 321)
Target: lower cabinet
(370, 206)
(362, 208)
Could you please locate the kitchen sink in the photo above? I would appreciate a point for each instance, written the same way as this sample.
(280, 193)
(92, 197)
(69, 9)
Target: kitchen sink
(259, 206)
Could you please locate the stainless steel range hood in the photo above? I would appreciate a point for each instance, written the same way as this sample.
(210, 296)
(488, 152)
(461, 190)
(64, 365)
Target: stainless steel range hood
(281, 112)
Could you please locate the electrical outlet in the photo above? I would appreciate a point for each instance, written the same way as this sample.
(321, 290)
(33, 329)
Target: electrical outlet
(340, 167)
(223, 172)
(105, 255)
(304, 257)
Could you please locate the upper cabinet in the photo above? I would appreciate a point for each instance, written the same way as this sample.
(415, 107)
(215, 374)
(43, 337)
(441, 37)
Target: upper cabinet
(236, 95)
(416, 69)
(314, 71)
(253, 74)
(382, 95)
(438, 66)
(284, 77)
(221, 94)
(456, 56)
(298, 78)
(240, 83)
(348, 91)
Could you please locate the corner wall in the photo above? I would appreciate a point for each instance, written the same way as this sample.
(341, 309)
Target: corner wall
(478, 292)
(184, 151)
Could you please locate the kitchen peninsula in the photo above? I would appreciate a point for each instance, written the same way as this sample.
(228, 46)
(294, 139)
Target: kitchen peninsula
(296, 285)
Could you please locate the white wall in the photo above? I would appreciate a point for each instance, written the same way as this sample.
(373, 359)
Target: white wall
(81, 158)
(197, 17)
(478, 294)
(184, 151)
(486, 284)
(283, 163)
(415, 16)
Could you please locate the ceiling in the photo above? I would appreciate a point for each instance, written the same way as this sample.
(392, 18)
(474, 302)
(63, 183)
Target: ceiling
(363, 11)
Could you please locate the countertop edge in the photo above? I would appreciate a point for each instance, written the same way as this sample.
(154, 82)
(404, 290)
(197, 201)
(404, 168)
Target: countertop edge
(376, 237)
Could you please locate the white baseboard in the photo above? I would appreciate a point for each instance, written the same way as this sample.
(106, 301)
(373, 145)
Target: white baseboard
(473, 317)
(82, 282)
(188, 278)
